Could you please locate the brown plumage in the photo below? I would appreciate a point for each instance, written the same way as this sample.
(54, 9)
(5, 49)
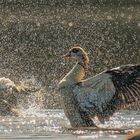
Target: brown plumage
(8, 92)
(100, 95)
(7, 84)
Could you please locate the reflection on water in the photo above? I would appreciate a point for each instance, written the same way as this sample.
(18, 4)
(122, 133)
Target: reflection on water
(51, 124)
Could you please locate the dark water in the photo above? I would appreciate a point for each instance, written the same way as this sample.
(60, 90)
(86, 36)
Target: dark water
(51, 125)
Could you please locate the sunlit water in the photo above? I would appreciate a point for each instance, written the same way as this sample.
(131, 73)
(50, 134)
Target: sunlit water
(52, 124)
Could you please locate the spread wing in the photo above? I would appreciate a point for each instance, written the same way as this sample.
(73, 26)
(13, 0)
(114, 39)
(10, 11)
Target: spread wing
(109, 91)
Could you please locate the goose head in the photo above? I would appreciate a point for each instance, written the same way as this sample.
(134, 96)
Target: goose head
(79, 54)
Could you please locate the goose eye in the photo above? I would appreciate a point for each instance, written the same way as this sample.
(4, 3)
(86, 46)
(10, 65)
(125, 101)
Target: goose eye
(75, 50)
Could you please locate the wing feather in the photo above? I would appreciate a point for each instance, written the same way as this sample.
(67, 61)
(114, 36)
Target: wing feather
(126, 80)
(135, 91)
(132, 94)
(112, 90)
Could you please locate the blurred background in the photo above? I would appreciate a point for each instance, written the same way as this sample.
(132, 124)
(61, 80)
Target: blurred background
(35, 34)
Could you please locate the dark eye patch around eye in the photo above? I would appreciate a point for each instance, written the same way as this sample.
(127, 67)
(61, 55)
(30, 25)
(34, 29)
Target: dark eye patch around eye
(75, 50)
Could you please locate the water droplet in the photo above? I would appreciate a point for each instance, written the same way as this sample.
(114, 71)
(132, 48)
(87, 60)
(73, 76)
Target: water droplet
(70, 24)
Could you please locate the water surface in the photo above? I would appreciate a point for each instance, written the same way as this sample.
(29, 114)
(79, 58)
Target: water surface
(52, 124)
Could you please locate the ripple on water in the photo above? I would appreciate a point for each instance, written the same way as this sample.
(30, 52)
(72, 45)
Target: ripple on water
(50, 124)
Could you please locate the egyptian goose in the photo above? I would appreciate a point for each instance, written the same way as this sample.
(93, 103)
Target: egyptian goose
(8, 90)
(100, 95)
(6, 83)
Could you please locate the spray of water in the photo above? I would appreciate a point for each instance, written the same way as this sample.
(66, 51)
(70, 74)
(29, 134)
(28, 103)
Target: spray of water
(31, 104)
